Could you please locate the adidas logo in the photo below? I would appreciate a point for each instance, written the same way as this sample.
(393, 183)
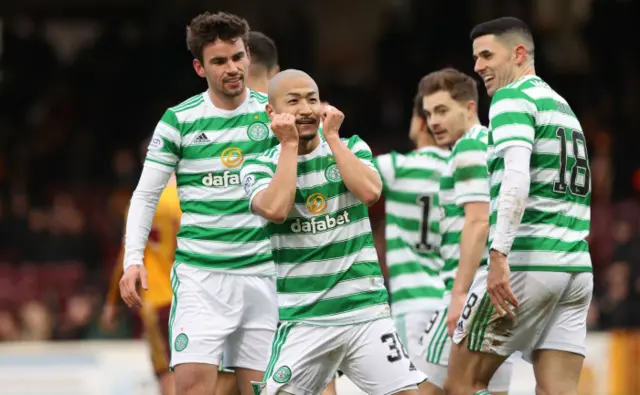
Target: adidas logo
(412, 367)
(459, 326)
(202, 138)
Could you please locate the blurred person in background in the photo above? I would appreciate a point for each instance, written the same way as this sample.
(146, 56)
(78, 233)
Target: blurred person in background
(264, 61)
(37, 323)
(158, 258)
(9, 329)
(410, 185)
(223, 276)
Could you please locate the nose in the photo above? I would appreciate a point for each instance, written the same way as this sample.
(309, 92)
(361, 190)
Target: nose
(305, 108)
(479, 66)
(232, 67)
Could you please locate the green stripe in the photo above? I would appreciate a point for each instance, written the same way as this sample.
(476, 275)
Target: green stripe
(175, 285)
(433, 344)
(443, 337)
(276, 348)
(474, 343)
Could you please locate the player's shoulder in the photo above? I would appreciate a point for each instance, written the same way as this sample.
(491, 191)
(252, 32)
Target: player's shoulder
(192, 102)
(474, 140)
(186, 112)
(271, 155)
(354, 141)
(258, 97)
(520, 89)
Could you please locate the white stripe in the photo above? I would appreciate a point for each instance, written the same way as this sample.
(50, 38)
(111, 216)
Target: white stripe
(223, 248)
(540, 92)
(414, 280)
(416, 304)
(196, 166)
(511, 105)
(557, 118)
(210, 193)
(328, 266)
(227, 136)
(509, 131)
(404, 255)
(548, 231)
(341, 289)
(321, 239)
(351, 317)
(386, 168)
(404, 210)
(417, 186)
(470, 158)
(230, 221)
(548, 258)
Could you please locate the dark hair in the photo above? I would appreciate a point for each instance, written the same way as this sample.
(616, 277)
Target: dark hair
(460, 86)
(418, 106)
(501, 26)
(206, 28)
(263, 50)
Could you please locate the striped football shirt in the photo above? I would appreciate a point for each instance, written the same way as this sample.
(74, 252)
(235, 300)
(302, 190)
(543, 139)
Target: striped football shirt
(326, 263)
(553, 233)
(206, 147)
(410, 187)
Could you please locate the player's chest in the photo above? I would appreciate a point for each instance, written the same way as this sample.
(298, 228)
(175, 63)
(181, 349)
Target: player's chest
(320, 187)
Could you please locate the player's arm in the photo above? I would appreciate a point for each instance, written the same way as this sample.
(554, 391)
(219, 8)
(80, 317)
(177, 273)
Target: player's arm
(160, 163)
(471, 186)
(512, 116)
(358, 172)
(272, 188)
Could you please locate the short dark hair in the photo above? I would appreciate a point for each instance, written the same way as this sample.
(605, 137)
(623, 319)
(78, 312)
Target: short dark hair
(263, 50)
(501, 26)
(206, 28)
(418, 107)
(460, 86)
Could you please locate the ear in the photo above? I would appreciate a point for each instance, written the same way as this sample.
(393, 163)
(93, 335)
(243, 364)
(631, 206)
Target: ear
(472, 108)
(197, 66)
(270, 111)
(423, 124)
(248, 54)
(520, 54)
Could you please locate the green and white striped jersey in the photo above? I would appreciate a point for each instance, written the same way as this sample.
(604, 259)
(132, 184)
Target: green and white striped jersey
(557, 216)
(327, 267)
(206, 147)
(410, 187)
(465, 181)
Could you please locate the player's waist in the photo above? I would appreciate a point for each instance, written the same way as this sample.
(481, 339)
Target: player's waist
(258, 263)
(376, 309)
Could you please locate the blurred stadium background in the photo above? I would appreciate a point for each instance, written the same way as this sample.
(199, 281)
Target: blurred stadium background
(82, 84)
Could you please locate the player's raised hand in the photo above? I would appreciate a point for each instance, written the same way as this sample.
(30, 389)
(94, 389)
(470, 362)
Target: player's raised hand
(498, 285)
(331, 120)
(284, 127)
(129, 285)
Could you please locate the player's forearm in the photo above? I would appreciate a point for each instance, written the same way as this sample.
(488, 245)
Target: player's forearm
(276, 201)
(359, 178)
(473, 242)
(512, 198)
(141, 211)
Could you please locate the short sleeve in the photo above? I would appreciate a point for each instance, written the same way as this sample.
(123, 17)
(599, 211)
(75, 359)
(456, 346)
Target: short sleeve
(362, 151)
(256, 175)
(470, 172)
(384, 164)
(512, 119)
(164, 149)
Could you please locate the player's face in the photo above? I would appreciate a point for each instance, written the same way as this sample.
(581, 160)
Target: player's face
(224, 66)
(445, 117)
(299, 96)
(494, 62)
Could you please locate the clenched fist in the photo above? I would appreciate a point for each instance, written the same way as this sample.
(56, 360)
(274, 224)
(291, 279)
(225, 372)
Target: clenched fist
(284, 127)
(331, 121)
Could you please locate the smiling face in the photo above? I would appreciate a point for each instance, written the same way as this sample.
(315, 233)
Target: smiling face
(224, 64)
(297, 94)
(500, 60)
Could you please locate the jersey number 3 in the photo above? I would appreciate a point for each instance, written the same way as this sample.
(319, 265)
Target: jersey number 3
(580, 165)
(422, 245)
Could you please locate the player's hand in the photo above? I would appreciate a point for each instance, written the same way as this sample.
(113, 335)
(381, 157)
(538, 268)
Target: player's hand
(455, 310)
(129, 285)
(331, 121)
(109, 318)
(498, 285)
(284, 127)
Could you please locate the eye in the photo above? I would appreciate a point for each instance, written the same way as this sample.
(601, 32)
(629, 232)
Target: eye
(313, 100)
(292, 101)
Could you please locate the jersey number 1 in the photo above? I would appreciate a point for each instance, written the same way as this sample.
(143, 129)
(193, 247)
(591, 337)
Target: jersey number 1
(423, 245)
(580, 166)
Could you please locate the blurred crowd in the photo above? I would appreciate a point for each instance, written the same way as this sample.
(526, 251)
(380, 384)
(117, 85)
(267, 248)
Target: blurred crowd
(77, 101)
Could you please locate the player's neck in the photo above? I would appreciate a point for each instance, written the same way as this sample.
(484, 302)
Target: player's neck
(425, 140)
(529, 70)
(472, 122)
(227, 103)
(258, 83)
(306, 147)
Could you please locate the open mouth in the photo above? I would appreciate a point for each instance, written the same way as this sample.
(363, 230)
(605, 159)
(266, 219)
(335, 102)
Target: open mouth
(306, 121)
(487, 78)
